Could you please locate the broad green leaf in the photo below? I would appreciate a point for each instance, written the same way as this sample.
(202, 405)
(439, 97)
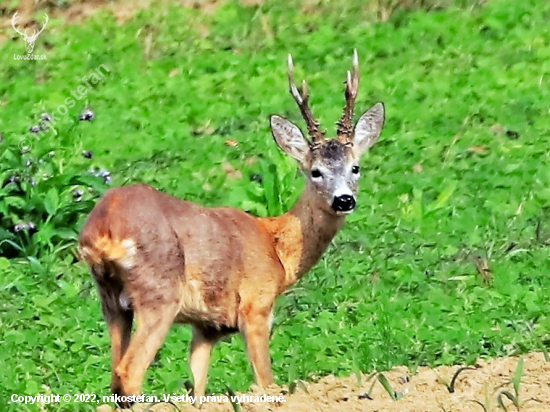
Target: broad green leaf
(51, 201)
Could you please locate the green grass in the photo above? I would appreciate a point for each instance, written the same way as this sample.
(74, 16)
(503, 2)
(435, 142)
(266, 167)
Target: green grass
(459, 176)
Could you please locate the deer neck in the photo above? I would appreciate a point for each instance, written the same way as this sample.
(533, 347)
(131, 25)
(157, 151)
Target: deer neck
(302, 235)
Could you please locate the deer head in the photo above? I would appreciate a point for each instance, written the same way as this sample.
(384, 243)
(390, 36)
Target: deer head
(29, 40)
(331, 165)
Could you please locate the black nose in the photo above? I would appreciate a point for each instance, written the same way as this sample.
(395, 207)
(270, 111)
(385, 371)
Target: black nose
(343, 203)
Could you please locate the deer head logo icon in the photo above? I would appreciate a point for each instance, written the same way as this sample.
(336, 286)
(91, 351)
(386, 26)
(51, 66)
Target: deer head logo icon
(29, 40)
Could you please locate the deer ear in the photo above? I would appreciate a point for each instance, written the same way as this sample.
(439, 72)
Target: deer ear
(289, 138)
(368, 128)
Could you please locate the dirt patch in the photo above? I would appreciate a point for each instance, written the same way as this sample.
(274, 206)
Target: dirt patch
(422, 392)
(78, 12)
(124, 10)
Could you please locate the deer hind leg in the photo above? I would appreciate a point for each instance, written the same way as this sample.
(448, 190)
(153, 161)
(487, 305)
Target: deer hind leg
(152, 328)
(120, 329)
(155, 307)
(201, 347)
(255, 325)
(118, 318)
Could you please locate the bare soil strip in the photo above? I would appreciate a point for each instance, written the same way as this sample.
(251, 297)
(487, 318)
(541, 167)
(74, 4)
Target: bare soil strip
(123, 10)
(425, 391)
(78, 12)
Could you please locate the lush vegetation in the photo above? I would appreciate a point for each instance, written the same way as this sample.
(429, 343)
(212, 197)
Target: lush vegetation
(445, 260)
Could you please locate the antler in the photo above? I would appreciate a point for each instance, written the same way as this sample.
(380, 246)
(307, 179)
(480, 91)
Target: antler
(13, 20)
(302, 101)
(43, 27)
(35, 33)
(344, 126)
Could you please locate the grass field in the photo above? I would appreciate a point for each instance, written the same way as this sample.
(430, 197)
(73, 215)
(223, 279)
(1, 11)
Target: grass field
(445, 260)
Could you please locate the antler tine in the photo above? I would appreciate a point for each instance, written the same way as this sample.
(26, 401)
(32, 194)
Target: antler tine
(344, 125)
(302, 102)
(45, 23)
(13, 21)
(37, 32)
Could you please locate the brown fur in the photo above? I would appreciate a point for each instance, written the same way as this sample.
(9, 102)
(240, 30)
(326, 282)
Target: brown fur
(218, 269)
(163, 260)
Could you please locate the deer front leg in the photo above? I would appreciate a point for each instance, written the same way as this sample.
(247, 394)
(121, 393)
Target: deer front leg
(255, 325)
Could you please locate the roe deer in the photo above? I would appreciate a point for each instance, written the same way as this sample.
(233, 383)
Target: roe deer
(163, 260)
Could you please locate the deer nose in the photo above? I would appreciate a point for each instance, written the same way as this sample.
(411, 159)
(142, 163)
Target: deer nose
(343, 203)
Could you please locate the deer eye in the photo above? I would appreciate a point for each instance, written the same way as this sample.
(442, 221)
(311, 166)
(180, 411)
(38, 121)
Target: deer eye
(355, 169)
(316, 173)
